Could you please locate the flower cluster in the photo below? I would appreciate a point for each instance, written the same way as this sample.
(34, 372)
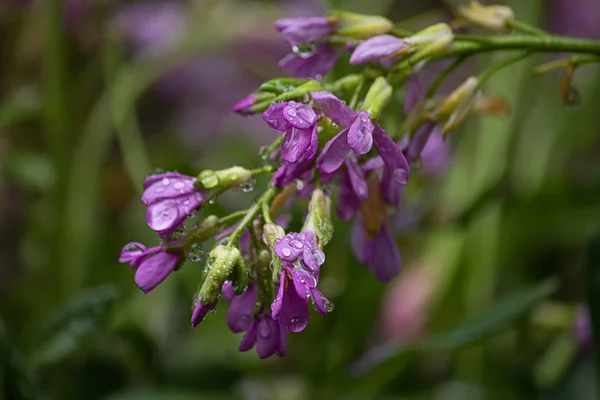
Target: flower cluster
(331, 144)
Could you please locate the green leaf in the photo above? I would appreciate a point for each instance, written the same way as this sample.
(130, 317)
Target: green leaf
(67, 329)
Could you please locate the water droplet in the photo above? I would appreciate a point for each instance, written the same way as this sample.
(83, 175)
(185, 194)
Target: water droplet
(222, 241)
(158, 171)
(196, 253)
(286, 252)
(400, 175)
(159, 189)
(178, 185)
(296, 243)
(292, 112)
(296, 324)
(318, 256)
(211, 201)
(165, 181)
(132, 248)
(247, 186)
(329, 306)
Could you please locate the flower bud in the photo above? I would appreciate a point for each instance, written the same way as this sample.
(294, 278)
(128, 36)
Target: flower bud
(319, 217)
(272, 232)
(377, 97)
(247, 105)
(209, 179)
(221, 263)
(494, 17)
(207, 228)
(431, 41)
(300, 91)
(461, 113)
(281, 85)
(458, 98)
(358, 26)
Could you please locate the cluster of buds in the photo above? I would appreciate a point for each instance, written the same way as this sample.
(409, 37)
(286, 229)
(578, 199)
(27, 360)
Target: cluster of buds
(270, 276)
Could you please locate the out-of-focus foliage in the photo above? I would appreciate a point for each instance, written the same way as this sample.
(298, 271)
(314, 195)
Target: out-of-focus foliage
(94, 95)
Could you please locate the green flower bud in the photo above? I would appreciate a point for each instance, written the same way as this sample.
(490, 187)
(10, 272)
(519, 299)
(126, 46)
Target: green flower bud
(358, 26)
(221, 263)
(458, 98)
(300, 91)
(495, 17)
(377, 97)
(208, 228)
(209, 179)
(281, 85)
(272, 232)
(319, 217)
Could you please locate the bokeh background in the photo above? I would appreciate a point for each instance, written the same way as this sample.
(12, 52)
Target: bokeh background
(496, 231)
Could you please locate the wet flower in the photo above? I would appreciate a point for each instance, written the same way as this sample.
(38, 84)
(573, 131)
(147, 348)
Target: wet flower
(299, 122)
(170, 198)
(261, 330)
(359, 135)
(243, 106)
(152, 265)
(298, 280)
(314, 63)
(297, 31)
(384, 49)
(289, 172)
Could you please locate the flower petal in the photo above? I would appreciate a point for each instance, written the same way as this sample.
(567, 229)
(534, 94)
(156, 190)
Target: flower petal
(267, 342)
(294, 311)
(288, 172)
(241, 311)
(360, 135)
(314, 65)
(295, 143)
(391, 155)
(299, 115)
(200, 311)
(274, 117)
(391, 191)
(167, 215)
(413, 93)
(155, 269)
(378, 48)
(168, 188)
(250, 337)
(334, 153)
(348, 201)
(379, 254)
(357, 178)
(297, 31)
(158, 177)
(334, 108)
(419, 140)
(319, 301)
(277, 304)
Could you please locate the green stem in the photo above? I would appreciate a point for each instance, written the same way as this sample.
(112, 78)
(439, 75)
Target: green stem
(233, 217)
(251, 214)
(574, 61)
(273, 146)
(443, 75)
(266, 213)
(485, 75)
(262, 170)
(354, 100)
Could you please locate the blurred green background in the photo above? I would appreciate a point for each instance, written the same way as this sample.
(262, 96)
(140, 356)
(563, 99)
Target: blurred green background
(95, 95)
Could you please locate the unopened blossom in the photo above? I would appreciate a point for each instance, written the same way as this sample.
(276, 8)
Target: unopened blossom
(359, 135)
(314, 63)
(152, 265)
(171, 198)
(243, 106)
(302, 260)
(384, 49)
(298, 31)
(261, 330)
(300, 123)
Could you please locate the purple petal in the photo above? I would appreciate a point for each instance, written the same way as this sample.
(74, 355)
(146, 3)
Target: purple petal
(294, 311)
(282, 349)
(249, 338)
(319, 301)
(413, 94)
(311, 151)
(436, 155)
(348, 201)
(314, 65)
(377, 48)
(274, 117)
(297, 31)
(379, 254)
(289, 172)
(241, 311)
(243, 106)
(277, 304)
(167, 188)
(150, 179)
(267, 342)
(166, 216)
(132, 251)
(295, 143)
(391, 154)
(288, 248)
(373, 163)
(155, 269)
(313, 258)
(391, 190)
(334, 153)
(419, 140)
(360, 135)
(357, 178)
(334, 108)
(299, 115)
(200, 311)
(228, 291)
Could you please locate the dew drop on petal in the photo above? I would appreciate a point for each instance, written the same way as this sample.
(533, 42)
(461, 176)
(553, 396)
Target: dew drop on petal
(165, 181)
(132, 248)
(400, 175)
(296, 243)
(286, 252)
(178, 185)
(295, 324)
(163, 215)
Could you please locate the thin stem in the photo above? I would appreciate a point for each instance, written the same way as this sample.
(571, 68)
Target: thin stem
(262, 170)
(266, 213)
(522, 27)
(485, 75)
(574, 62)
(354, 100)
(233, 217)
(443, 75)
(273, 146)
(251, 213)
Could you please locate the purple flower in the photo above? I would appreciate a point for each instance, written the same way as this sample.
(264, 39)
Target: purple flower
(436, 155)
(299, 122)
(583, 330)
(297, 31)
(261, 330)
(170, 198)
(314, 64)
(359, 135)
(243, 106)
(384, 49)
(302, 260)
(376, 250)
(353, 189)
(153, 264)
(289, 172)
